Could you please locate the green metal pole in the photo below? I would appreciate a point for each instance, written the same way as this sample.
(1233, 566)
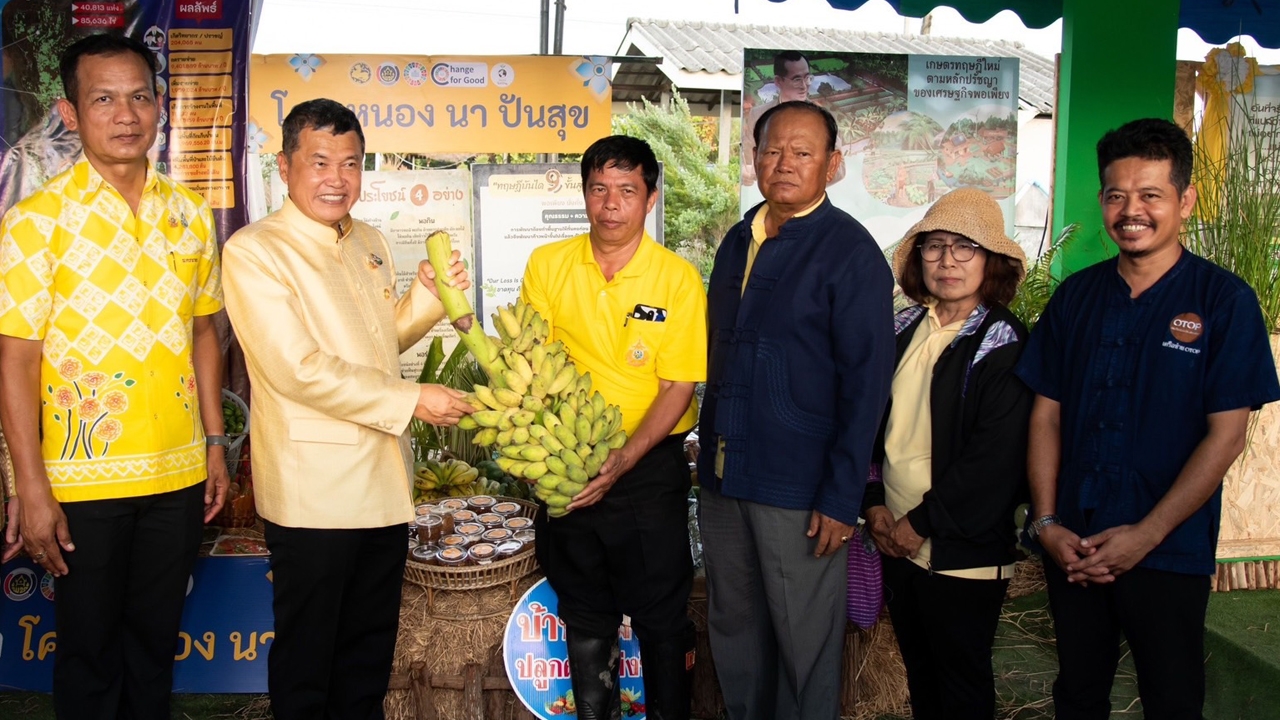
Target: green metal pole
(1118, 64)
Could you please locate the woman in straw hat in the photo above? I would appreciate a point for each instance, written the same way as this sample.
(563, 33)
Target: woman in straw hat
(952, 452)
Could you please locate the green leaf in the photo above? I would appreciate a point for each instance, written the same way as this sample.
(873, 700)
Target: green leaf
(117, 376)
(57, 417)
(395, 215)
(130, 382)
(49, 389)
(435, 355)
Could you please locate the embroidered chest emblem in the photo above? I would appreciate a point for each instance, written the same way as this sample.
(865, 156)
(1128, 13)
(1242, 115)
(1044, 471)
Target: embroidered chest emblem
(173, 221)
(374, 261)
(638, 354)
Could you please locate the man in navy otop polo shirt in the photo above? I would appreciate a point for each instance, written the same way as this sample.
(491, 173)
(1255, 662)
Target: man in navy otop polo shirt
(1145, 368)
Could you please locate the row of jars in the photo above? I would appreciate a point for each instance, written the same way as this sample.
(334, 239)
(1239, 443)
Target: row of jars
(471, 531)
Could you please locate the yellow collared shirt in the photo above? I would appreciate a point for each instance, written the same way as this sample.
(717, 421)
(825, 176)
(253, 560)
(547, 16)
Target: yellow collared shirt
(625, 356)
(908, 436)
(112, 295)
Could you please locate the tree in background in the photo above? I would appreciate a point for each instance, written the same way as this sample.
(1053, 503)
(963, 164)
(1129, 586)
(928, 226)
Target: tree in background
(701, 196)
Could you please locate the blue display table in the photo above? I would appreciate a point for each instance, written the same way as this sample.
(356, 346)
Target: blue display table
(222, 648)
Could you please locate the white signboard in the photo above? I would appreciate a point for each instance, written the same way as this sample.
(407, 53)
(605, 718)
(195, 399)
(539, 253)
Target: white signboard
(518, 208)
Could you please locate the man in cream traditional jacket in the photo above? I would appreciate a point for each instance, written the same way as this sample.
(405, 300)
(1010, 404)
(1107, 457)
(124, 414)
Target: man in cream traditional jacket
(311, 295)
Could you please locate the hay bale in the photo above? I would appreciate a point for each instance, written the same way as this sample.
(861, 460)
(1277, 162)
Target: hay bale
(879, 677)
(445, 633)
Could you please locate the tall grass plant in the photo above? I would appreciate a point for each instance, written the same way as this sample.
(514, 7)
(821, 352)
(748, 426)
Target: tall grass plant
(1236, 220)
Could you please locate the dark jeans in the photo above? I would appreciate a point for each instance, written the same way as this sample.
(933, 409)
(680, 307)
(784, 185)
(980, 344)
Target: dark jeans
(628, 553)
(336, 599)
(945, 628)
(1161, 615)
(120, 604)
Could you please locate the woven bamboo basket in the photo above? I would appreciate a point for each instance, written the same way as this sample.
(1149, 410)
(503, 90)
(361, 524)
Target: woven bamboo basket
(475, 577)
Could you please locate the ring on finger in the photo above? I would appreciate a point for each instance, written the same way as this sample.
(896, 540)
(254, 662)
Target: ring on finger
(39, 556)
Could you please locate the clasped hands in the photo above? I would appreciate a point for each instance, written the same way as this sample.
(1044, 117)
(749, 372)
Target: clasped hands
(895, 538)
(1099, 558)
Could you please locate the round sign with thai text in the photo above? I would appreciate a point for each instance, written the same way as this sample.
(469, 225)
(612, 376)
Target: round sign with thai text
(537, 660)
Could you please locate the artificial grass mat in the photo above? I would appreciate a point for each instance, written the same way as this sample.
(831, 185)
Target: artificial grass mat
(1242, 642)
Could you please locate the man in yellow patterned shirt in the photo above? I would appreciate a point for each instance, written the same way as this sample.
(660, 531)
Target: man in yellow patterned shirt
(111, 373)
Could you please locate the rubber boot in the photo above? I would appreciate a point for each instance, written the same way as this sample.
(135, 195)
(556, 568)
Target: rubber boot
(593, 670)
(668, 676)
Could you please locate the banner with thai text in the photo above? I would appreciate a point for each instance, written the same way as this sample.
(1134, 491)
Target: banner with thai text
(911, 128)
(446, 104)
(226, 630)
(407, 207)
(201, 48)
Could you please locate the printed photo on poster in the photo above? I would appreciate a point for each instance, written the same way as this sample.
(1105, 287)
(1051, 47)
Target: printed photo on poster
(910, 128)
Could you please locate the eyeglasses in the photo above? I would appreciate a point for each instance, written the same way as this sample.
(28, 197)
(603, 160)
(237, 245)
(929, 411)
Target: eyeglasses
(960, 252)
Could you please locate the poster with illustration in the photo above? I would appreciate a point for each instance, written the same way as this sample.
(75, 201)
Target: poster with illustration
(910, 128)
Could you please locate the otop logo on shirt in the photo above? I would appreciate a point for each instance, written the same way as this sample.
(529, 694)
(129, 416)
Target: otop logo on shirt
(1187, 327)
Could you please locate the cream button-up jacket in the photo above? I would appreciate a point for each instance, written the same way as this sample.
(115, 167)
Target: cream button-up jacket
(322, 329)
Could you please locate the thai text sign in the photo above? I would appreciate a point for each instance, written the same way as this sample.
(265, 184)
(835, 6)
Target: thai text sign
(536, 658)
(406, 103)
(226, 630)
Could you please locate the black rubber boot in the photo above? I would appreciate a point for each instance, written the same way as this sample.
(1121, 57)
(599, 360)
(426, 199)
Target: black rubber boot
(668, 676)
(593, 669)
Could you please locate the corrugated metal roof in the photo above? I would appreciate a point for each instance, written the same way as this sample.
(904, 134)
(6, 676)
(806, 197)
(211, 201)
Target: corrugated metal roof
(709, 47)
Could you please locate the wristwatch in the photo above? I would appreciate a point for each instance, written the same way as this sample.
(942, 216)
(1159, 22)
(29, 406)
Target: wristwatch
(1040, 523)
(222, 440)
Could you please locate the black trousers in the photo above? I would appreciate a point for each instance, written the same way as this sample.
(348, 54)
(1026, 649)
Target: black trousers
(627, 554)
(119, 606)
(336, 599)
(945, 628)
(1161, 615)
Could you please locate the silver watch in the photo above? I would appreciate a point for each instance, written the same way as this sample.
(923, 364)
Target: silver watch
(1040, 523)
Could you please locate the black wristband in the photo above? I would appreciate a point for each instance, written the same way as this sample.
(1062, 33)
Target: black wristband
(211, 440)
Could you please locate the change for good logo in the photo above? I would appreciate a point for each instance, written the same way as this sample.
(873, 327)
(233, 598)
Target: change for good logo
(460, 74)
(1186, 328)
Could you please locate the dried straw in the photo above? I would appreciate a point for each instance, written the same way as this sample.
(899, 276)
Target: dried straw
(447, 632)
(879, 675)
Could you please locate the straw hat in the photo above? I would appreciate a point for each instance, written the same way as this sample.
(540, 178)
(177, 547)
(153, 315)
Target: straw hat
(969, 212)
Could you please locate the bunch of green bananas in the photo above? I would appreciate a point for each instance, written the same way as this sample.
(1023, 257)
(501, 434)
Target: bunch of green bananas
(433, 480)
(540, 414)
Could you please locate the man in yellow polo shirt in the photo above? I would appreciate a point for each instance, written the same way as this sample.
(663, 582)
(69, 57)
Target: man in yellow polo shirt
(633, 314)
(110, 375)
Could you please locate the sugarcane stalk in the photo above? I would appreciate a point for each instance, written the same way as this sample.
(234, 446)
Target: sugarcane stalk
(461, 315)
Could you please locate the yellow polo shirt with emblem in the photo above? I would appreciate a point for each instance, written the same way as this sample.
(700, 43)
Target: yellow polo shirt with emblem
(112, 295)
(625, 355)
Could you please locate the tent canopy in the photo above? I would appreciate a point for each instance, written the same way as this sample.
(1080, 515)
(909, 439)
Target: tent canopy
(1215, 21)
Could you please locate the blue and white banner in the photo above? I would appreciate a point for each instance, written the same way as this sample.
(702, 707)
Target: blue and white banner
(227, 627)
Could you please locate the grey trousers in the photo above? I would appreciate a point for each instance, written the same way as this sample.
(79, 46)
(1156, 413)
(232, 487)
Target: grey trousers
(776, 614)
